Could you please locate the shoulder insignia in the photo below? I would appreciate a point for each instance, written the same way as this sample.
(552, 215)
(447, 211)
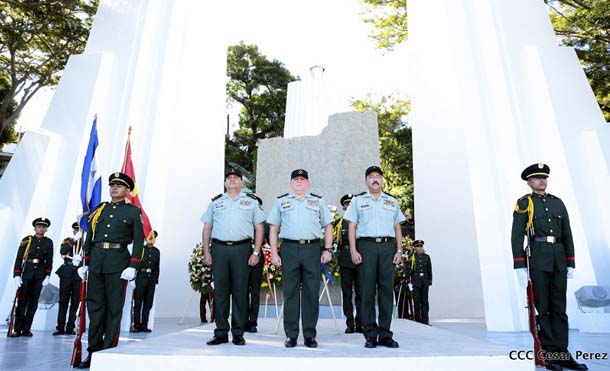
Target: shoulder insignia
(360, 194)
(553, 196)
(315, 195)
(524, 197)
(284, 195)
(98, 206)
(253, 196)
(24, 240)
(391, 195)
(217, 197)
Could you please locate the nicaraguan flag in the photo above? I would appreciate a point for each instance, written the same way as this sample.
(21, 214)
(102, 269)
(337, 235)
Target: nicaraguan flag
(91, 179)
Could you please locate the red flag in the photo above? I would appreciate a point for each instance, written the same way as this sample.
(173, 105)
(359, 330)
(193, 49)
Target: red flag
(133, 197)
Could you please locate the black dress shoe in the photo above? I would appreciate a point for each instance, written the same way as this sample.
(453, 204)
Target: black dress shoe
(290, 342)
(218, 340)
(252, 329)
(388, 342)
(311, 343)
(86, 363)
(553, 365)
(27, 333)
(349, 330)
(70, 332)
(134, 330)
(571, 364)
(59, 332)
(239, 340)
(16, 334)
(360, 329)
(204, 321)
(370, 343)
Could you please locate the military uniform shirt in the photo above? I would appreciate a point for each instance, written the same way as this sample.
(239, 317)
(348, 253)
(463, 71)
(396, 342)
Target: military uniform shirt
(233, 220)
(374, 218)
(39, 260)
(300, 218)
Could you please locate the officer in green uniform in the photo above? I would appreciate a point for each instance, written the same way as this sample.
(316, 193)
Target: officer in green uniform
(349, 273)
(32, 270)
(112, 227)
(231, 221)
(543, 219)
(301, 216)
(255, 277)
(146, 282)
(375, 242)
(69, 282)
(419, 273)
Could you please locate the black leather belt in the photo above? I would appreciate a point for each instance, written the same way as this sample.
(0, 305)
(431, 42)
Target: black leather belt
(378, 239)
(231, 243)
(302, 242)
(110, 245)
(549, 239)
(36, 261)
(147, 270)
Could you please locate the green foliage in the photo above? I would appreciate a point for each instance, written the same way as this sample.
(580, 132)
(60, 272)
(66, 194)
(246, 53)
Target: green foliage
(585, 26)
(396, 150)
(389, 21)
(8, 135)
(259, 86)
(36, 39)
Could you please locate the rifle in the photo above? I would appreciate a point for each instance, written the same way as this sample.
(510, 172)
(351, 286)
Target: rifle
(77, 352)
(11, 324)
(132, 326)
(531, 308)
(412, 306)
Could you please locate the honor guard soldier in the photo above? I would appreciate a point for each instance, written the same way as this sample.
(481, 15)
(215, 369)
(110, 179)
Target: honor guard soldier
(300, 218)
(32, 270)
(419, 273)
(543, 219)
(146, 282)
(231, 221)
(112, 227)
(349, 273)
(69, 282)
(375, 240)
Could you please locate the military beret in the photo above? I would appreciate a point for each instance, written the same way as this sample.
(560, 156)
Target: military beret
(299, 172)
(536, 170)
(346, 198)
(418, 243)
(120, 178)
(75, 225)
(233, 171)
(371, 169)
(41, 221)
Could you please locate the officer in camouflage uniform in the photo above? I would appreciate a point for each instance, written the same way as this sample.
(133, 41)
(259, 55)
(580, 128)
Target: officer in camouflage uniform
(146, 282)
(301, 216)
(69, 283)
(231, 221)
(375, 240)
(543, 218)
(419, 273)
(349, 274)
(112, 227)
(32, 270)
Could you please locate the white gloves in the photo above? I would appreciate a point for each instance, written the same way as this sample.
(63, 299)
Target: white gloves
(570, 273)
(410, 286)
(128, 274)
(81, 271)
(18, 281)
(76, 260)
(132, 284)
(46, 281)
(78, 235)
(522, 276)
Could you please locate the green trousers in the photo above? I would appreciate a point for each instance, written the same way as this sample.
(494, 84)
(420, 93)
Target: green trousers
(254, 290)
(230, 271)
(550, 295)
(105, 299)
(301, 269)
(376, 274)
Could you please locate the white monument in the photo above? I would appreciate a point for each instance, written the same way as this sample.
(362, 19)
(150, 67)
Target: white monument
(492, 92)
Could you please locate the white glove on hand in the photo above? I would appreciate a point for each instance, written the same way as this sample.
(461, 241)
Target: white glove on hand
(18, 281)
(78, 235)
(132, 284)
(128, 274)
(81, 271)
(410, 286)
(522, 276)
(46, 281)
(76, 260)
(570, 273)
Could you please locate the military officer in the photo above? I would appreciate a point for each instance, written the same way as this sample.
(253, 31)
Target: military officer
(349, 273)
(375, 240)
(112, 227)
(69, 282)
(146, 282)
(231, 221)
(255, 277)
(32, 270)
(300, 217)
(543, 219)
(419, 276)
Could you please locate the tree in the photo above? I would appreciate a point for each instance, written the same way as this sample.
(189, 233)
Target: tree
(259, 86)
(395, 145)
(9, 135)
(36, 39)
(389, 21)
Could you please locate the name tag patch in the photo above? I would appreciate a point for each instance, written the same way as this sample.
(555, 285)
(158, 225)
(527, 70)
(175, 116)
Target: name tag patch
(245, 203)
(312, 202)
(286, 204)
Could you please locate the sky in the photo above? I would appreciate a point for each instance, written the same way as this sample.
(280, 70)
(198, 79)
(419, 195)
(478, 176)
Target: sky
(301, 34)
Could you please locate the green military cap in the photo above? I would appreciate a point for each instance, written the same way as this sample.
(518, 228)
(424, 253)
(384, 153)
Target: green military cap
(536, 170)
(233, 171)
(371, 169)
(41, 221)
(418, 243)
(75, 225)
(299, 172)
(346, 198)
(120, 178)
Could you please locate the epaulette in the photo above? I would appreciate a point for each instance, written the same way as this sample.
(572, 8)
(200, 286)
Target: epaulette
(253, 196)
(315, 195)
(524, 197)
(391, 195)
(553, 196)
(360, 194)
(24, 240)
(284, 195)
(217, 197)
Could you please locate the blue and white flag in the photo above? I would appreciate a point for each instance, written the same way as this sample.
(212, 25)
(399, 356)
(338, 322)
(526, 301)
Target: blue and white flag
(91, 179)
